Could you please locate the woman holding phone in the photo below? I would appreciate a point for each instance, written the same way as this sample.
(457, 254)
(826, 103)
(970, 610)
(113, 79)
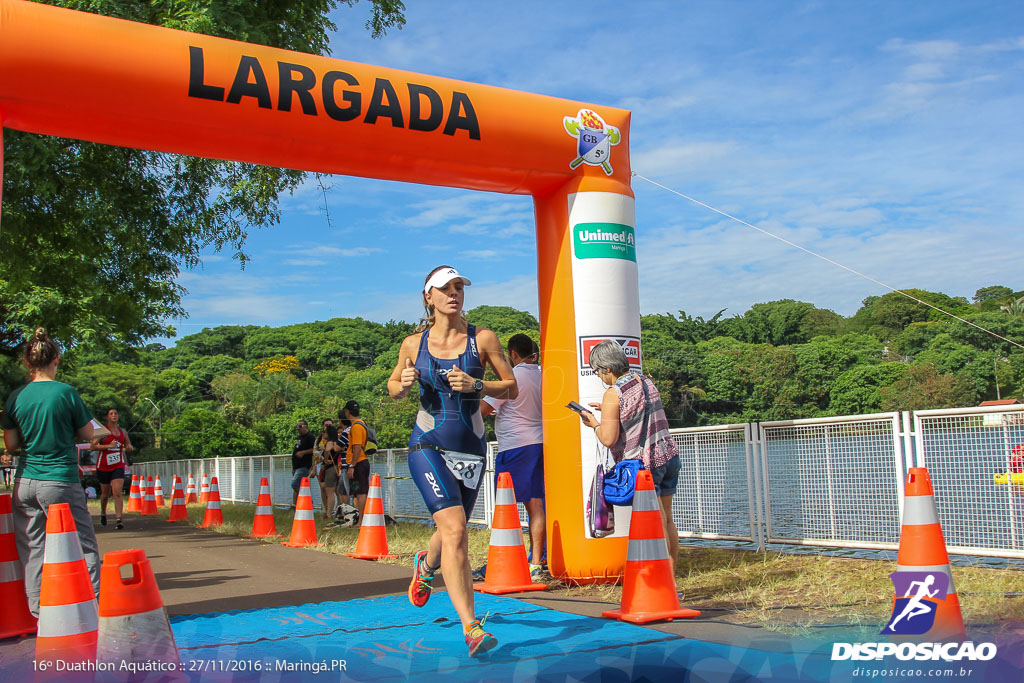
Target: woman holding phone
(447, 358)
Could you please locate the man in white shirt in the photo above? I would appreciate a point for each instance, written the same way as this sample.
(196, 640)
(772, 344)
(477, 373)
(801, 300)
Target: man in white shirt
(518, 426)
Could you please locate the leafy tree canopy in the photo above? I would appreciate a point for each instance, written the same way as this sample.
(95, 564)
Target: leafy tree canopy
(94, 236)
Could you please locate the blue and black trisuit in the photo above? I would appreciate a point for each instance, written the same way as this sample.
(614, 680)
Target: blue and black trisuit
(447, 421)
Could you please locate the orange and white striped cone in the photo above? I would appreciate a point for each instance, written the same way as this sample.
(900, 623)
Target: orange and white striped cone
(133, 625)
(648, 586)
(508, 570)
(213, 516)
(158, 493)
(204, 490)
(148, 500)
(263, 522)
(134, 496)
(303, 525)
(15, 619)
(372, 543)
(923, 550)
(178, 509)
(68, 617)
(190, 492)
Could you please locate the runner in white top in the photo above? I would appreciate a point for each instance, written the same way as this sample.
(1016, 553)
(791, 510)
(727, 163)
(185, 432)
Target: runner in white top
(520, 433)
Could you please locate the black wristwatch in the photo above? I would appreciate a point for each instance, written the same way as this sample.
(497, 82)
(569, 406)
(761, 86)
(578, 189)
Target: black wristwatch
(478, 385)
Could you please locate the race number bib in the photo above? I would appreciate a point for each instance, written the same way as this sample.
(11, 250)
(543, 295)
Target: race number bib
(467, 468)
(113, 457)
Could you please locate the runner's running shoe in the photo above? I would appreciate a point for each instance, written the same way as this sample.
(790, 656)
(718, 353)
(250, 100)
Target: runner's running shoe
(422, 583)
(478, 640)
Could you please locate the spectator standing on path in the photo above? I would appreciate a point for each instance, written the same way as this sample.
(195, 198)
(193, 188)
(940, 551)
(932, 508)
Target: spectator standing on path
(113, 456)
(518, 426)
(633, 425)
(6, 461)
(358, 471)
(331, 455)
(318, 463)
(447, 359)
(344, 483)
(302, 458)
(44, 419)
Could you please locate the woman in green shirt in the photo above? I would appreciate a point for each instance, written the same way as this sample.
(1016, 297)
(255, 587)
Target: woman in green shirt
(43, 419)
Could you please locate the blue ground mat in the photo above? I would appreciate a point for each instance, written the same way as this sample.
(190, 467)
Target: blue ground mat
(387, 639)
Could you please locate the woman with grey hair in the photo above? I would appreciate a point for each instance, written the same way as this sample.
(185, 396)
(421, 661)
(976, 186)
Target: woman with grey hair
(624, 430)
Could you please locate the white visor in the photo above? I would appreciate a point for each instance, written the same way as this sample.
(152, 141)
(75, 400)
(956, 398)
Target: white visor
(443, 277)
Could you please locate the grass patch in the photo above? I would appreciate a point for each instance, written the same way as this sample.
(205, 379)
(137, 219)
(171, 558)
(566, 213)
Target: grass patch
(777, 591)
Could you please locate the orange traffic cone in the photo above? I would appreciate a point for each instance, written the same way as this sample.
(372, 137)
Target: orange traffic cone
(190, 493)
(923, 551)
(648, 587)
(508, 570)
(68, 618)
(15, 619)
(204, 490)
(178, 509)
(133, 626)
(373, 536)
(303, 526)
(263, 522)
(158, 493)
(213, 516)
(148, 500)
(135, 496)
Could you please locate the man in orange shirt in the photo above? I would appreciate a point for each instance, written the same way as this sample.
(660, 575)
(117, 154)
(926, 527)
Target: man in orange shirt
(358, 465)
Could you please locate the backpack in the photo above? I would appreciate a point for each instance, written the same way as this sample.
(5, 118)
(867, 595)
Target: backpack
(371, 438)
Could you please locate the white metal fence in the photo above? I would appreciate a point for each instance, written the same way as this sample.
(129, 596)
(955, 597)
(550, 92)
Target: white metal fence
(834, 482)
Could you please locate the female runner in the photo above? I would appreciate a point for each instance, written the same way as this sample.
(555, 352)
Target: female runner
(447, 448)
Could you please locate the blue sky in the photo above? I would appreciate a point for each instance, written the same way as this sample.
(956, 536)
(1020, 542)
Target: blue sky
(885, 135)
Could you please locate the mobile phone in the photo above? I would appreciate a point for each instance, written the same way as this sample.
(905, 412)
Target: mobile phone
(573, 405)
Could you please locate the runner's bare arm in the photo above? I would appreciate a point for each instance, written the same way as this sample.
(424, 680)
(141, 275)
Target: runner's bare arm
(405, 374)
(490, 353)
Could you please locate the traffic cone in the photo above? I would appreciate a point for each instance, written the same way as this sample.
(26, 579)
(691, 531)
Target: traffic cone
(372, 543)
(148, 500)
(178, 509)
(204, 490)
(213, 516)
(263, 522)
(648, 587)
(15, 619)
(508, 570)
(303, 526)
(133, 625)
(68, 617)
(190, 493)
(923, 549)
(158, 493)
(135, 496)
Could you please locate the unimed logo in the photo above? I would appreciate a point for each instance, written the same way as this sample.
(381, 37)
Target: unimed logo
(921, 652)
(630, 346)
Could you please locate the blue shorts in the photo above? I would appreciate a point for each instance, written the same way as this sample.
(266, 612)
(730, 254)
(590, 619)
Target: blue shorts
(438, 486)
(526, 465)
(666, 477)
(297, 475)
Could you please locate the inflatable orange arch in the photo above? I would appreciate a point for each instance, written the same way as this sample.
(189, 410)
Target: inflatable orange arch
(84, 76)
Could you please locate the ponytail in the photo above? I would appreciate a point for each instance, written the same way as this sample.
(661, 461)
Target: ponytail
(40, 350)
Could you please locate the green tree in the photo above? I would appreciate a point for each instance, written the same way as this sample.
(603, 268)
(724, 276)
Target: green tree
(502, 320)
(94, 236)
(858, 390)
(923, 387)
(202, 433)
(993, 293)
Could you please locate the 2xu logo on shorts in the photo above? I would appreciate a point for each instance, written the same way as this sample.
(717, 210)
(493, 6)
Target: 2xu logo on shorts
(947, 652)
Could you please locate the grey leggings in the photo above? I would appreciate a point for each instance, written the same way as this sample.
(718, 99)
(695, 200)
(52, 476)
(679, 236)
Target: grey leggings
(32, 499)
